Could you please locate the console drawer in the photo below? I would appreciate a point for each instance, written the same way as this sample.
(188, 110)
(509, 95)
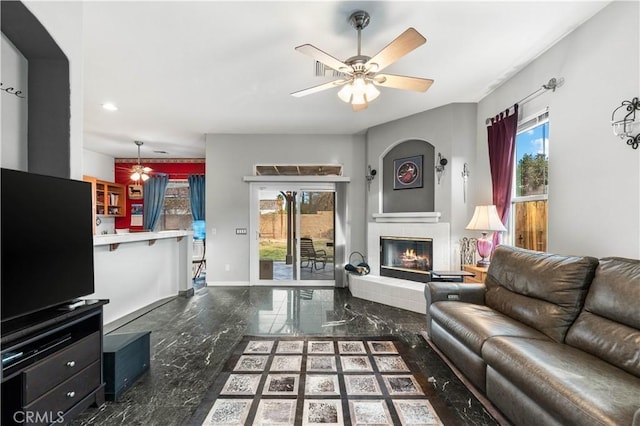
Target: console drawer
(60, 366)
(67, 394)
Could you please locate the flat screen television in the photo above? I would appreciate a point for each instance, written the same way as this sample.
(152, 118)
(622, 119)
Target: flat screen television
(46, 242)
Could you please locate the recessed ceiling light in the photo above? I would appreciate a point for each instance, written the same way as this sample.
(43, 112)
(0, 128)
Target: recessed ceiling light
(109, 106)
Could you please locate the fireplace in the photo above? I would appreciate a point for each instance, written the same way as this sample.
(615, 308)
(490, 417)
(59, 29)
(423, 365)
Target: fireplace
(406, 258)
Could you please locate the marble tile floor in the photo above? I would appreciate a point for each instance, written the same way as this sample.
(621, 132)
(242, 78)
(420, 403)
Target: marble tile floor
(192, 337)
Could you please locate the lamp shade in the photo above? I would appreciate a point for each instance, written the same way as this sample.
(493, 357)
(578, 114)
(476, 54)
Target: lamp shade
(485, 218)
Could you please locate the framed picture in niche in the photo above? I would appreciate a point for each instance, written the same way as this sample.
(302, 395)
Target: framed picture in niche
(407, 172)
(135, 192)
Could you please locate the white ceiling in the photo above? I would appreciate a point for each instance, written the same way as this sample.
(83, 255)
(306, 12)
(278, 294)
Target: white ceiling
(178, 70)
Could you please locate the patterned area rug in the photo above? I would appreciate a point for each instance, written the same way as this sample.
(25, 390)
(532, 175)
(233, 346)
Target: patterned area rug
(317, 380)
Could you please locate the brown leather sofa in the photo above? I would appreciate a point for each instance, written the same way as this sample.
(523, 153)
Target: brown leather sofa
(549, 339)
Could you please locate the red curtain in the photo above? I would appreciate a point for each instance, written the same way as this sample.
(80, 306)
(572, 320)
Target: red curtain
(502, 144)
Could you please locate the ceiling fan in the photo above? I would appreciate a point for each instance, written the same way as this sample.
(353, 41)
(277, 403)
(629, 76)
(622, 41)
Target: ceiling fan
(362, 73)
(138, 171)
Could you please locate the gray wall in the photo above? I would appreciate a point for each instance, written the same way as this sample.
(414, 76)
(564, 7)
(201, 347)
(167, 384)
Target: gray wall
(231, 157)
(594, 177)
(413, 199)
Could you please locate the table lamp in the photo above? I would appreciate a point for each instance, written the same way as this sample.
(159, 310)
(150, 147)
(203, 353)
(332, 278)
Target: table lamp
(485, 219)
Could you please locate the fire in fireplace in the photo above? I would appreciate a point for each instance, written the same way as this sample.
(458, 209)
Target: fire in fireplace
(407, 258)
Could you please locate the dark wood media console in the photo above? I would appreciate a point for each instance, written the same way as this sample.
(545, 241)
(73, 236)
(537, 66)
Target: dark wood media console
(52, 365)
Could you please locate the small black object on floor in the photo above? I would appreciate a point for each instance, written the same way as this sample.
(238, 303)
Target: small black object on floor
(126, 359)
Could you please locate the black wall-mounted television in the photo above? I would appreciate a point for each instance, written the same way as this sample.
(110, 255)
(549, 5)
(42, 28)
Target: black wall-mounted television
(46, 242)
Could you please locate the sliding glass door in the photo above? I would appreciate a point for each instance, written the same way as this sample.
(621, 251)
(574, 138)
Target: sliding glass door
(294, 238)
(316, 218)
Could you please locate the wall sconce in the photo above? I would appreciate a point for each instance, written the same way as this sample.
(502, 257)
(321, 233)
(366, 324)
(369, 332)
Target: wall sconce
(623, 127)
(370, 176)
(440, 166)
(465, 178)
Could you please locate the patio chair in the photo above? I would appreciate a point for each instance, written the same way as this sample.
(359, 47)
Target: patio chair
(310, 257)
(199, 261)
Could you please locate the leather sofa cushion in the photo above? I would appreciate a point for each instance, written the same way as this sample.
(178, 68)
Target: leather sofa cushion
(609, 325)
(515, 404)
(569, 383)
(474, 324)
(467, 361)
(543, 290)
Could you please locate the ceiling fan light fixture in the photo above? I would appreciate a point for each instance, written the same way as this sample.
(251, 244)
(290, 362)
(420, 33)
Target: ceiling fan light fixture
(138, 171)
(358, 92)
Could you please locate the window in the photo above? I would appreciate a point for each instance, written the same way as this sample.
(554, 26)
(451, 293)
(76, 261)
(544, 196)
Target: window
(176, 212)
(531, 183)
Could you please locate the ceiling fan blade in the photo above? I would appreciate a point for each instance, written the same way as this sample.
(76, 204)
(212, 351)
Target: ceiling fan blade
(403, 44)
(324, 57)
(319, 88)
(359, 107)
(402, 82)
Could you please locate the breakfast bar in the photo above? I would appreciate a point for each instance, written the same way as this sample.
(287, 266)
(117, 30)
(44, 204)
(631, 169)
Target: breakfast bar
(140, 270)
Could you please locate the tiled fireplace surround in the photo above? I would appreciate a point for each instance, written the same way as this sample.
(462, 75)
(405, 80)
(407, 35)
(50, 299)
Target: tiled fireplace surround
(392, 291)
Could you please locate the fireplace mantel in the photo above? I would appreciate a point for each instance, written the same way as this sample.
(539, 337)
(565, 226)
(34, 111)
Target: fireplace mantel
(408, 217)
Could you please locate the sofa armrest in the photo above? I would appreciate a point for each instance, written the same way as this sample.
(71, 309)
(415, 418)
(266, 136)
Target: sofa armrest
(454, 292)
(459, 292)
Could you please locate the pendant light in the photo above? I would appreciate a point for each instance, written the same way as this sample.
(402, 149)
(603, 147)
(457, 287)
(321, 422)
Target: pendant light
(138, 171)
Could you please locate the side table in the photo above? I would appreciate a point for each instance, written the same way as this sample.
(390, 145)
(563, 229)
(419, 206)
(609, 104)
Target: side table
(451, 276)
(480, 273)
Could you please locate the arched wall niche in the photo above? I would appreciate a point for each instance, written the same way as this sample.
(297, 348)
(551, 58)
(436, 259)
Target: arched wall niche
(48, 91)
(408, 199)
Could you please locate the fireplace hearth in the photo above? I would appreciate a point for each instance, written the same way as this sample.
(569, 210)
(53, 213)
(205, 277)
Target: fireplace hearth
(408, 258)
